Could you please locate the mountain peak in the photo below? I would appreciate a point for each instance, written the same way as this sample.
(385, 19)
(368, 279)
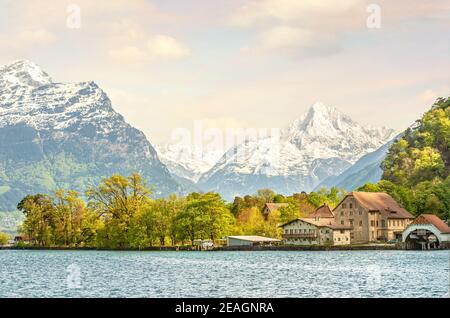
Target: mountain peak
(319, 118)
(23, 73)
(321, 107)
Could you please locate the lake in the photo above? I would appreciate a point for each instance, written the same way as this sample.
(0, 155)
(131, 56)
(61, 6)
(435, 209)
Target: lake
(31, 273)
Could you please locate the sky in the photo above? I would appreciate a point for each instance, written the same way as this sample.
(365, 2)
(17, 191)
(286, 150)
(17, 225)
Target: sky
(167, 64)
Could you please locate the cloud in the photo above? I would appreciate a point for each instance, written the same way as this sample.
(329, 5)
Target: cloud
(294, 39)
(300, 26)
(27, 38)
(158, 47)
(320, 27)
(428, 97)
(36, 36)
(286, 11)
(129, 54)
(166, 47)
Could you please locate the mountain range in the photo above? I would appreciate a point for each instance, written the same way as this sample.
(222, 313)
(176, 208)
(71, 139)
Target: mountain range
(321, 144)
(68, 135)
(65, 135)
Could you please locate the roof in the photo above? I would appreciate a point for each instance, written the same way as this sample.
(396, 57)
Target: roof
(330, 225)
(323, 212)
(381, 202)
(253, 238)
(433, 220)
(275, 206)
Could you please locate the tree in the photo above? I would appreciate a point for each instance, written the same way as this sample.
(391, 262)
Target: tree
(266, 195)
(116, 200)
(250, 222)
(4, 238)
(204, 216)
(38, 210)
(332, 197)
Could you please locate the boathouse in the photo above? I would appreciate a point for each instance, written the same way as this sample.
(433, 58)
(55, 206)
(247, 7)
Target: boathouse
(427, 231)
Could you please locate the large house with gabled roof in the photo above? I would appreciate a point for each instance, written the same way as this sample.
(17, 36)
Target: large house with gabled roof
(318, 228)
(373, 216)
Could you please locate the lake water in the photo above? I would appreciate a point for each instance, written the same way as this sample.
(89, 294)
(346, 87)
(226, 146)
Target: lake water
(28, 273)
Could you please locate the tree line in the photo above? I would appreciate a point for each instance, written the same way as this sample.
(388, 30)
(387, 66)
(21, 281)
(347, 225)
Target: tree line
(121, 213)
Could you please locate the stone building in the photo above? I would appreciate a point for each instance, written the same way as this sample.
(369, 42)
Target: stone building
(318, 228)
(374, 217)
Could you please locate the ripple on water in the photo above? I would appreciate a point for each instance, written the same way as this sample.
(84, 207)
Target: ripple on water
(225, 274)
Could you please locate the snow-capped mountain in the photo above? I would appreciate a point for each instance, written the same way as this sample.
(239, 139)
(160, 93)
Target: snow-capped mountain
(188, 161)
(366, 170)
(322, 143)
(65, 135)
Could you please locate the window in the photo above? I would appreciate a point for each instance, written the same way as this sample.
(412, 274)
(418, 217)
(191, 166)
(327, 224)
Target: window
(372, 223)
(342, 231)
(344, 205)
(291, 231)
(360, 212)
(342, 222)
(351, 222)
(351, 205)
(383, 223)
(360, 223)
(377, 223)
(351, 212)
(346, 238)
(342, 213)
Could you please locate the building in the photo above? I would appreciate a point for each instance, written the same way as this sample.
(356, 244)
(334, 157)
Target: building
(374, 216)
(319, 227)
(322, 215)
(270, 207)
(306, 231)
(250, 240)
(427, 231)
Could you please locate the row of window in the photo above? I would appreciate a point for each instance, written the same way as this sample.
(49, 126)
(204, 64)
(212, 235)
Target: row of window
(374, 223)
(298, 231)
(344, 205)
(351, 213)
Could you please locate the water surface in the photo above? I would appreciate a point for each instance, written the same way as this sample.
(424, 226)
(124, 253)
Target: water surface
(28, 273)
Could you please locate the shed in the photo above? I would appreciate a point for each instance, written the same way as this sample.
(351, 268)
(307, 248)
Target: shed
(250, 240)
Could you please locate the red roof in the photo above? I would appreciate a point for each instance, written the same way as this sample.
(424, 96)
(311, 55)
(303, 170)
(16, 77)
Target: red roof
(433, 220)
(381, 202)
(323, 212)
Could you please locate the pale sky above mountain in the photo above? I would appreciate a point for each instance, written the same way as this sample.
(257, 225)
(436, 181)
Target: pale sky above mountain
(239, 63)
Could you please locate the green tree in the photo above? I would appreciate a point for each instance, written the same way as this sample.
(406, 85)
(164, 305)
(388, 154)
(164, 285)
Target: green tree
(116, 200)
(37, 226)
(4, 238)
(204, 216)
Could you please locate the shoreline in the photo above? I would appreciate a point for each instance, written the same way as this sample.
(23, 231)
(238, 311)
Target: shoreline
(221, 249)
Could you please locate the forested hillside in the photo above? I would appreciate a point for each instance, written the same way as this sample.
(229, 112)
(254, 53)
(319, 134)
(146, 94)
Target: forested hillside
(417, 167)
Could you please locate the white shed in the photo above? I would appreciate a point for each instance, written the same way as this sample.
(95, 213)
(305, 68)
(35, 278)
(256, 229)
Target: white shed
(250, 240)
